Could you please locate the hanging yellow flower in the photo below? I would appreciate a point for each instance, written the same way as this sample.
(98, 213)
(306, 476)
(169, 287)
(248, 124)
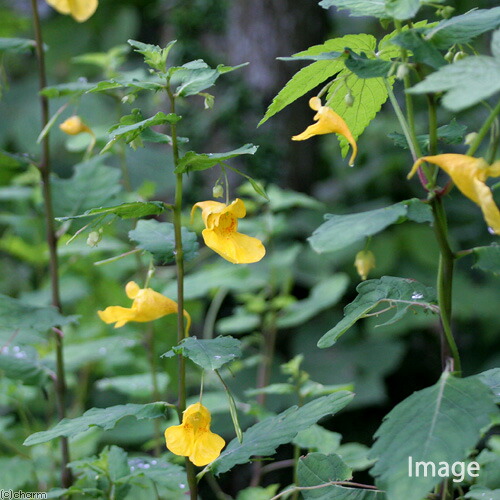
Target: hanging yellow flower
(221, 222)
(74, 125)
(328, 122)
(364, 262)
(148, 305)
(193, 437)
(469, 175)
(80, 10)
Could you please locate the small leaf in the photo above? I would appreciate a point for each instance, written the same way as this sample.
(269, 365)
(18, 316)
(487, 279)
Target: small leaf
(154, 56)
(340, 231)
(317, 438)
(375, 8)
(263, 438)
(398, 293)
(17, 45)
(423, 51)
(21, 363)
(210, 354)
(192, 161)
(72, 89)
(402, 9)
(363, 67)
(131, 210)
(441, 423)
(158, 238)
(105, 418)
(487, 258)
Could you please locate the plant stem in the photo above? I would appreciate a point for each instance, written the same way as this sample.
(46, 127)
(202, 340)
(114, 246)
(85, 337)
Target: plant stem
(45, 171)
(179, 263)
(212, 312)
(151, 350)
(483, 130)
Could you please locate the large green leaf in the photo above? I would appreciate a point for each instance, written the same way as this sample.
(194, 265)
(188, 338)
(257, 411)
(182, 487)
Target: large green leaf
(210, 354)
(21, 363)
(491, 379)
(263, 438)
(487, 258)
(422, 50)
(374, 8)
(105, 418)
(92, 185)
(340, 231)
(135, 209)
(437, 424)
(462, 29)
(24, 323)
(325, 294)
(311, 76)
(158, 238)
(317, 471)
(402, 9)
(201, 161)
(395, 293)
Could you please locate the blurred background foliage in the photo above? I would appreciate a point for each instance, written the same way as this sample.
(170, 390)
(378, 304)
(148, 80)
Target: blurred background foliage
(385, 364)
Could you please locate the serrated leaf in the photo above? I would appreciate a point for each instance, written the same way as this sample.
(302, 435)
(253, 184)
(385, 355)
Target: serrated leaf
(311, 76)
(21, 363)
(466, 82)
(105, 418)
(487, 258)
(437, 424)
(210, 354)
(73, 89)
(462, 29)
(17, 45)
(117, 463)
(192, 161)
(340, 231)
(422, 50)
(26, 322)
(319, 439)
(323, 295)
(374, 8)
(92, 185)
(154, 56)
(263, 438)
(135, 209)
(158, 238)
(402, 9)
(399, 293)
(363, 67)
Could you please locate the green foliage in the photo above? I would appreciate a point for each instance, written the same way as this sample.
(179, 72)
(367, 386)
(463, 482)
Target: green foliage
(15, 472)
(363, 67)
(209, 354)
(398, 293)
(133, 210)
(491, 378)
(105, 418)
(358, 7)
(422, 50)
(136, 386)
(22, 364)
(154, 56)
(73, 89)
(158, 238)
(437, 424)
(340, 231)
(17, 45)
(264, 437)
(192, 161)
(258, 493)
(402, 9)
(487, 258)
(480, 493)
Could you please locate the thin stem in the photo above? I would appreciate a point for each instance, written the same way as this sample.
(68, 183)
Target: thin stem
(45, 171)
(212, 312)
(151, 350)
(483, 130)
(324, 485)
(179, 263)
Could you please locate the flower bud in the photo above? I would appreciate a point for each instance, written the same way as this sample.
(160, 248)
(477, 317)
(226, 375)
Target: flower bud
(349, 99)
(74, 125)
(449, 56)
(470, 138)
(402, 71)
(459, 55)
(94, 238)
(364, 263)
(218, 191)
(446, 12)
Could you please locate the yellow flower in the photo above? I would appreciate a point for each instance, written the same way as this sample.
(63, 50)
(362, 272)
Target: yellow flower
(221, 222)
(328, 122)
(364, 263)
(148, 305)
(469, 175)
(74, 125)
(81, 10)
(193, 437)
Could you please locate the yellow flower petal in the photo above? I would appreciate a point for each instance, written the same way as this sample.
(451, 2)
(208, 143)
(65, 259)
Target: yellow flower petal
(118, 314)
(207, 447)
(74, 125)
(221, 222)
(180, 440)
(328, 122)
(487, 203)
(81, 10)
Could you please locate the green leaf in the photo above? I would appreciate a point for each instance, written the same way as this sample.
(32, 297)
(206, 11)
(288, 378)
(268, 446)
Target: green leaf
(72, 89)
(423, 51)
(158, 238)
(210, 354)
(21, 363)
(491, 379)
(437, 424)
(154, 56)
(192, 161)
(487, 258)
(363, 67)
(340, 231)
(135, 209)
(281, 199)
(466, 82)
(481, 493)
(11, 160)
(323, 295)
(195, 76)
(105, 418)
(258, 493)
(15, 472)
(17, 45)
(398, 293)
(135, 386)
(263, 438)
(92, 185)
(374, 8)
(402, 9)
(462, 29)
(317, 438)
(27, 322)
(495, 44)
